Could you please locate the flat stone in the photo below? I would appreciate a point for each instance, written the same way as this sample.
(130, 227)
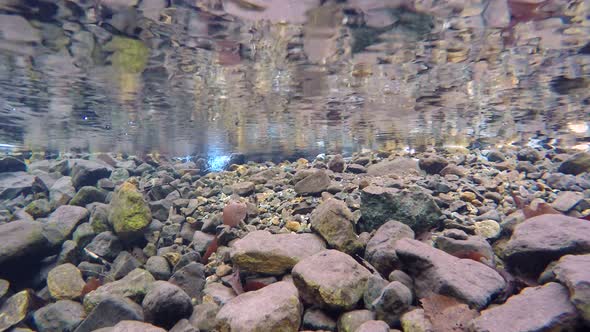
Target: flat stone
(335, 223)
(542, 308)
(62, 315)
(576, 164)
(435, 271)
(394, 300)
(273, 308)
(14, 184)
(106, 245)
(567, 200)
(313, 184)
(573, 271)
(530, 249)
(15, 309)
(380, 250)
(158, 266)
(109, 312)
(398, 166)
(39, 208)
(62, 222)
(21, 239)
(330, 279)
(413, 207)
(87, 173)
(276, 254)
(134, 286)
(459, 244)
(87, 195)
(11, 164)
(243, 188)
(62, 191)
(123, 264)
(65, 282)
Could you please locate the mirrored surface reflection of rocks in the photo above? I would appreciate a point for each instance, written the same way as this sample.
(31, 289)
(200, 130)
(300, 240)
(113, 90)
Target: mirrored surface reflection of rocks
(291, 78)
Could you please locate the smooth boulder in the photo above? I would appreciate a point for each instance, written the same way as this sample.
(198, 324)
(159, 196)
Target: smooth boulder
(21, 239)
(87, 172)
(380, 250)
(62, 222)
(334, 221)
(273, 308)
(62, 315)
(331, 279)
(165, 304)
(435, 271)
(133, 286)
(276, 254)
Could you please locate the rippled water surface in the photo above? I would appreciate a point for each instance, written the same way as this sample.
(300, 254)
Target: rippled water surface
(291, 77)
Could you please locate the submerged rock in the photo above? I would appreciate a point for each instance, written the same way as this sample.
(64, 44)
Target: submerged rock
(109, 312)
(62, 315)
(397, 166)
(11, 164)
(313, 184)
(165, 304)
(542, 308)
(380, 251)
(134, 286)
(335, 223)
(530, 248)
(87, 173)
(62, 223)
(130, 214)
(273, 308)
(435, 271)
(331, 279)
(21, 239)
(13, 184)
(576, 164)
(15, 309)
(65, 282)
(413, 207)
(275, 254)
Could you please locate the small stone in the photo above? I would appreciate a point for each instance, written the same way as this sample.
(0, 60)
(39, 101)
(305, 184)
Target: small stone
(191, 279)
(87, 195)
(356, 169)
(21, 239)
(336, 164)
(576, 164)
(62, 222)
(496, 156)
(416, 321)
(293, 226)
(183, 325)
(433, 164)
(165, 304)
(394, 300)
(203, 316)
(542, 308)
(105, 245)
(87, 173)
(335, 223)
(39, 208)
(567, 200)
(313, 184)
(401, 276)
(243, 188)
(218, 294)
(350, 321)
(63, 315)
(315, 319)
(134, 286)
(373, 326)
(488, 229)
(158, 266)
(133, 326)
(65, 282)
(380, 250)
(467, 196)
(223, 270)
(15, 309)
(123, 264)
(83, 234)
(109, 312)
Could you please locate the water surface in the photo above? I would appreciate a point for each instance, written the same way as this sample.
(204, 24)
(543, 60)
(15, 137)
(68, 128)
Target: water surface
(289, 78)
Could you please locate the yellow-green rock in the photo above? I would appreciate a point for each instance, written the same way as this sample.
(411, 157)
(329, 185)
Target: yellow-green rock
(65, 282)
(130, 213)
(134, 286)
(416, 321)
(14, 310)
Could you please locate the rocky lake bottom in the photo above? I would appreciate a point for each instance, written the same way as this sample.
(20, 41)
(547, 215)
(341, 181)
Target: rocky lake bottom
(440, 240)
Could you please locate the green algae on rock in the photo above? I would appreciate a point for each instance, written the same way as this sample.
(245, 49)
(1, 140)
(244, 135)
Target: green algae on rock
(130, 214)
(130, 55)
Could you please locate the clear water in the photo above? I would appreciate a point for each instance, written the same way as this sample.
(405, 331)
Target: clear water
(286, 78)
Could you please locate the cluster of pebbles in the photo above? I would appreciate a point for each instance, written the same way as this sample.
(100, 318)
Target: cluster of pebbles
(112, 243)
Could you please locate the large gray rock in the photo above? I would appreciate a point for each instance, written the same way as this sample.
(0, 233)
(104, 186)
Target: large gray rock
(62, 191)
(62, 222)
(331, 279)
(435, 271)
(105, 245)
(13, 184)
(576, 164)
(59, 316)
(134, 286)
(542, 239)
(21, 239)
(11, 164)
(273, 308)
(397, 166)
(413, 207)
(335, 223)
(394, 300)
(165, 304)
(433, 164)
(380, 250)
(542, 308)
(313, 184)
(109, 312)
(191, 279)
(574, 272)
(87, 195)
(276, 254)
(87, 173)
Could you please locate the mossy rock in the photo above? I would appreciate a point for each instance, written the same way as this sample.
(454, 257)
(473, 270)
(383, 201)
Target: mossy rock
(130, 55)
(130, 214)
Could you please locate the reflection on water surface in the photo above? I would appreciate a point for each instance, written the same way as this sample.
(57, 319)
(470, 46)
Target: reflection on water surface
(291, 78)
